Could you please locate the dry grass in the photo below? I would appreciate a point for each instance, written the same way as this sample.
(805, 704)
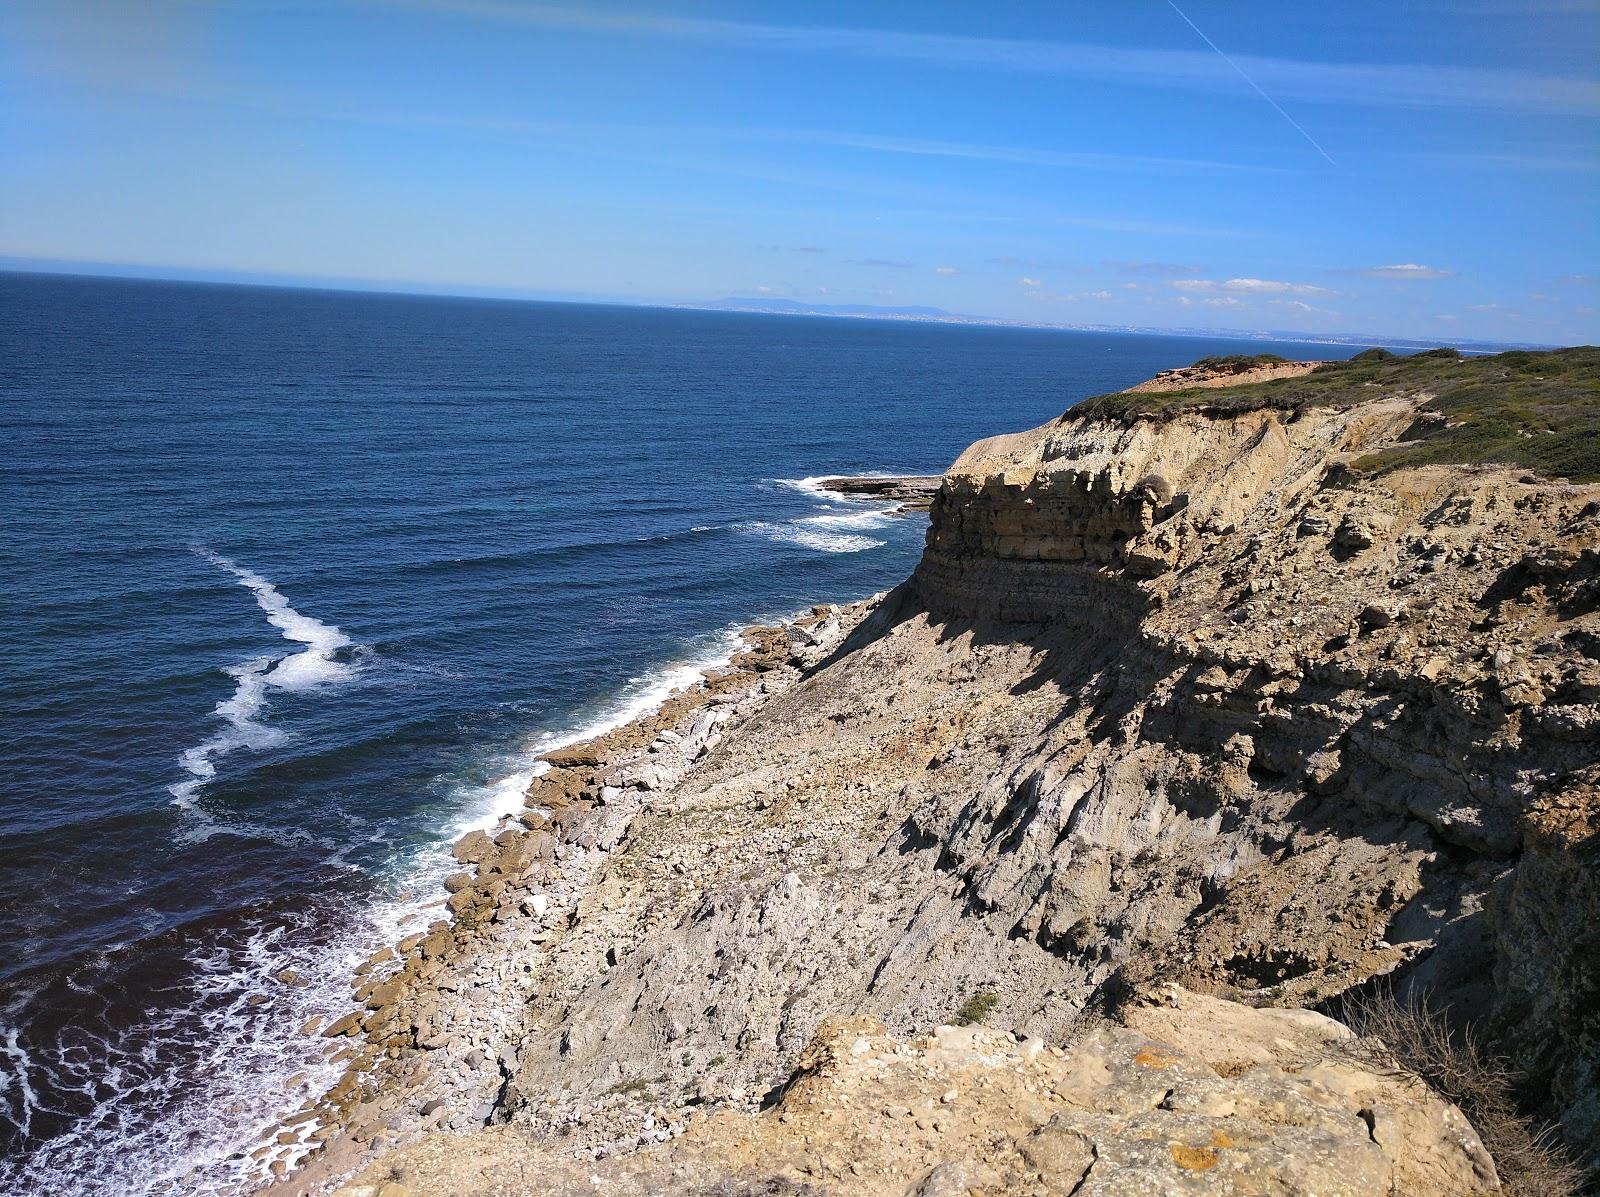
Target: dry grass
(1418, 1039)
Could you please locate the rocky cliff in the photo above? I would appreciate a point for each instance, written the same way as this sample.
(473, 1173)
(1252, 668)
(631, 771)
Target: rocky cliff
(1231, 695)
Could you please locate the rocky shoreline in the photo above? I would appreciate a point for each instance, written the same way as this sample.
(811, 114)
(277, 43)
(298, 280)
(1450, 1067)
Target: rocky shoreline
(432, 1040)
(1188, 735)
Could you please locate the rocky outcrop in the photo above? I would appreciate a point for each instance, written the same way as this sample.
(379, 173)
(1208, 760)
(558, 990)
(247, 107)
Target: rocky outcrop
(913, 492)
(1188, 699)
(433, 1040)
(1394, 623)
(1547, 958)
(1211, 373)
(1380, 691)
(1190, 1095)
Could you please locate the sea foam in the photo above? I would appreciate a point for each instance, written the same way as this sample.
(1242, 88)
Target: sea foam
(205, 1141)
(820, 539)
(837, 527)
(481, 807)
(298, 671)
(314, 666)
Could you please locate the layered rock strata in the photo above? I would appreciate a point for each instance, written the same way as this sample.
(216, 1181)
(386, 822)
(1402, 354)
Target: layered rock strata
(1378, 693)
(1168, 700)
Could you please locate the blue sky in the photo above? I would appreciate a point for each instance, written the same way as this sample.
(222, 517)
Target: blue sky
(1429, 169)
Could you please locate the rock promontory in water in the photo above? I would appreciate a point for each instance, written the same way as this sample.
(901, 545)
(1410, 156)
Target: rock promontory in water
(911, 491)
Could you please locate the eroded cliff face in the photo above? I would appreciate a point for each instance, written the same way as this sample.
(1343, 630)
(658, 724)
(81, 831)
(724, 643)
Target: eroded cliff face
(1330, 714)
(1166, 701)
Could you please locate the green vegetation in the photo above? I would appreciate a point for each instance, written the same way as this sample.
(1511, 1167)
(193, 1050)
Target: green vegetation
(1540, 411)
(976, 1008)
(1239, 363)
(634, 1087)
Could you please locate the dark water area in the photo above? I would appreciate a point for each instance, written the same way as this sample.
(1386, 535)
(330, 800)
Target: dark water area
(296, 584)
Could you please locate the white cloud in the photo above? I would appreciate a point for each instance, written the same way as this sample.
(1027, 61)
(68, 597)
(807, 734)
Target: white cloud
(1561, 164)
(1299, 305)
(945, 270)
(1029, 282)
(1222, 301)
(1058, 297)
(1023, 155)
(1248, 286)
(1408, 270)
(1389, 83)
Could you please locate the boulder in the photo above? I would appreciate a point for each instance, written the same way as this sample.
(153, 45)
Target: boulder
(472, 847)
(575, 755)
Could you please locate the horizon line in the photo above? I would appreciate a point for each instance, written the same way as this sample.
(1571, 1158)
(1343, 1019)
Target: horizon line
(232, 277)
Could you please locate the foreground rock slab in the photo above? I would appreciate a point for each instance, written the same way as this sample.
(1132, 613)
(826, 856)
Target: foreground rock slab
(1255, 1101)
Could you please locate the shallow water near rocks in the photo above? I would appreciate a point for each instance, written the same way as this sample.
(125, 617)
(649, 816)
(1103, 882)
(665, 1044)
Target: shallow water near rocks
(296, 586)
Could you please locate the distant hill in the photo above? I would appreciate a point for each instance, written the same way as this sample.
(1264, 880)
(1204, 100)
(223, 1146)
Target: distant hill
(793, 307)
(772, 306)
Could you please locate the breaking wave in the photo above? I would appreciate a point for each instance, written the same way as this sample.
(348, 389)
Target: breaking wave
(313, 666)
(838, 525)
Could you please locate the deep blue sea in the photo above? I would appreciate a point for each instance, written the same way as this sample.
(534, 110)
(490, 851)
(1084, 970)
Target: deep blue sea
(294, 584)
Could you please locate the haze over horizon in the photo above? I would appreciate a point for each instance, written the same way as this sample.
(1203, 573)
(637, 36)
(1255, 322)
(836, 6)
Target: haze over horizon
(1424, 172)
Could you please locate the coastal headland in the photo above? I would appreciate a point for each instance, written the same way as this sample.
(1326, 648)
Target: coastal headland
(1212, 716)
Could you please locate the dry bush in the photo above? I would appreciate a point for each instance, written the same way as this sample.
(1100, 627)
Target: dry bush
(1417, 1038)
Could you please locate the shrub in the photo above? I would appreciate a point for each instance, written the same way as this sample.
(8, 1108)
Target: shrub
(1417, 1037)
(1160, 489)
(1240, 363)
(976, 1008)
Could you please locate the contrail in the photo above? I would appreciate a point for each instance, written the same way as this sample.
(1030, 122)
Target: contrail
(1252, 83)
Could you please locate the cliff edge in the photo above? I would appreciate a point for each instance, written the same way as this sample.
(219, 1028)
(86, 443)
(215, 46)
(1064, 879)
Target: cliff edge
(1204, 706)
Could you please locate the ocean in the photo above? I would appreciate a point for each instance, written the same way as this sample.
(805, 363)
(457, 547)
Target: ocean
(297, 584)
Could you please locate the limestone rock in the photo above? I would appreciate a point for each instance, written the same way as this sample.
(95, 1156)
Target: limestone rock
(1045, 777)
(1252, 1101)
(1547, 970)
(473, 847)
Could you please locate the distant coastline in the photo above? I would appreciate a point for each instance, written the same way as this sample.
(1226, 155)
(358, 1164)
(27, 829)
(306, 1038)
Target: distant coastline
(749, 305)
(923, 315)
